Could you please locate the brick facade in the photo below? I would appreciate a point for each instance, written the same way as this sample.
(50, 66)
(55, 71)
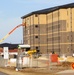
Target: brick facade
(50, 29)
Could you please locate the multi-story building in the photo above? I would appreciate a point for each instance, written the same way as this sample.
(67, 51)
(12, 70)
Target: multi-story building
(50, 29)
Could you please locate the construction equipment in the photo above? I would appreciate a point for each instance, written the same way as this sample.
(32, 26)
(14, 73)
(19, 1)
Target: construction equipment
(31, 52)
(26, 49)
(11, 32)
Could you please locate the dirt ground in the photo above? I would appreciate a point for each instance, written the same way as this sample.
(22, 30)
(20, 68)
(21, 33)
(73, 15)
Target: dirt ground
(25, 71)
(36, 70)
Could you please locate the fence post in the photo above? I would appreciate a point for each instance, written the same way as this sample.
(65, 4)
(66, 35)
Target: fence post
(31, 60)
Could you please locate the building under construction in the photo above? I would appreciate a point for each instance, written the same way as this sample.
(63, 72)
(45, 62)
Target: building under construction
(50, 30)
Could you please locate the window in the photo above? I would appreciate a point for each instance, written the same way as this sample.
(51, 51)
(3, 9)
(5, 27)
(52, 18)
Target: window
(36, 47)
(36, 26)
(36, 36)
(36, 15)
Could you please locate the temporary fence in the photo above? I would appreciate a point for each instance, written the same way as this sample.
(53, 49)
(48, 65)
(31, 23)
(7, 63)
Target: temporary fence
(46, 61)
(3, 62)
(40, 61)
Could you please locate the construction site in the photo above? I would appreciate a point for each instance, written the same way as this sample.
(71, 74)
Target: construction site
(48, 44)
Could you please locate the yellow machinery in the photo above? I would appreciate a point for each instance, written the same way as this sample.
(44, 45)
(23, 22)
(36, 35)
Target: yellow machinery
(31, 51)
(24, 47)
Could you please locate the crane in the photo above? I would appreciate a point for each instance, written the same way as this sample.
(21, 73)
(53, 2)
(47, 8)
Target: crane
(24, 24)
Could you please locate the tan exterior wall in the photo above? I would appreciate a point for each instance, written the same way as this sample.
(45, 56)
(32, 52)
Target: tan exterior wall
(36, 19)
(73, 19)
(42, 19)
(55, 16)
(51, 32)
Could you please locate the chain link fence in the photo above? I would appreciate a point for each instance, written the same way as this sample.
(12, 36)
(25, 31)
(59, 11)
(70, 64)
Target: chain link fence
(42, 61)
(3, 62)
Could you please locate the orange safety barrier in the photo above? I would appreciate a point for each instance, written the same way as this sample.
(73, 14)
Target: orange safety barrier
(54, 58)
(72, 65)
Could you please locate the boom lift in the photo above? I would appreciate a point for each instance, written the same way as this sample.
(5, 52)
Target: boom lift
(24, 24)
(11, 32)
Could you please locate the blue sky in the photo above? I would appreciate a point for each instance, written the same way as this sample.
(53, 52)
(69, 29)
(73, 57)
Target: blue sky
(11, 12)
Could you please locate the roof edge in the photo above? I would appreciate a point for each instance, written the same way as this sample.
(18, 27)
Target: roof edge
(45, 11)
